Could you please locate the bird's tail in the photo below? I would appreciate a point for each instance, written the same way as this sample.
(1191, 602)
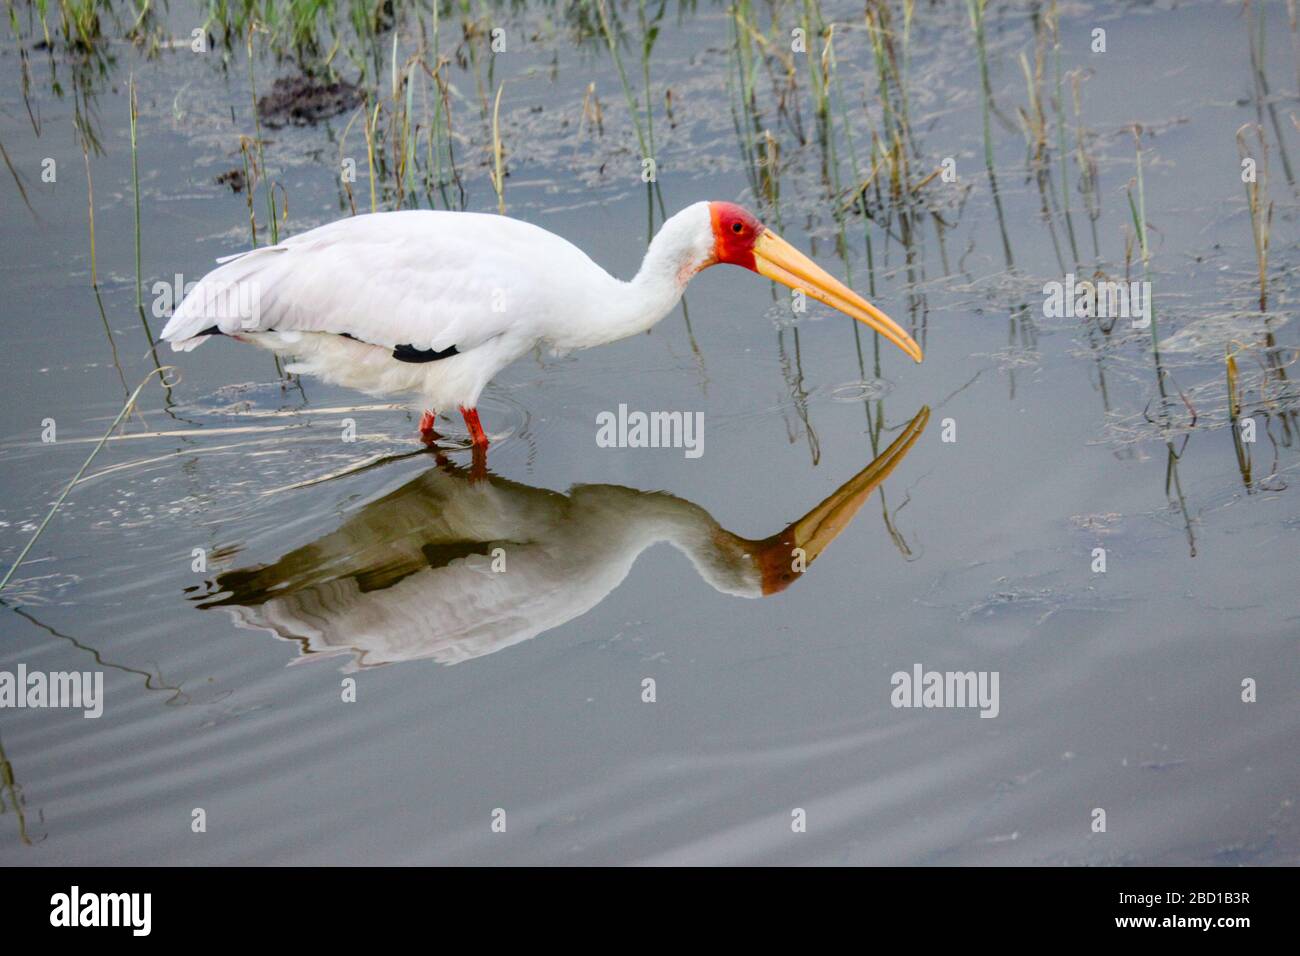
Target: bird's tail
(224, 301)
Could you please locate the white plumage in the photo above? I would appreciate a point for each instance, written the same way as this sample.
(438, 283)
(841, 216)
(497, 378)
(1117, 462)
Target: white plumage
(489, 286)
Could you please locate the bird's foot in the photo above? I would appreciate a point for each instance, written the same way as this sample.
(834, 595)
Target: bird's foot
(478, 470)
(476, 434)
(427, 434)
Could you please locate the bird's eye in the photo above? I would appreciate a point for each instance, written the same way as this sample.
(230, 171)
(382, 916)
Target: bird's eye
(737, 228)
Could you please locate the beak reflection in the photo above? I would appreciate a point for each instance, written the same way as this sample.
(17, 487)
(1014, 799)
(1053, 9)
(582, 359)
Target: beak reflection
(414, 574)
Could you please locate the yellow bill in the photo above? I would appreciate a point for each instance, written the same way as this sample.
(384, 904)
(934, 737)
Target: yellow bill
(823, 524)
(783, 263)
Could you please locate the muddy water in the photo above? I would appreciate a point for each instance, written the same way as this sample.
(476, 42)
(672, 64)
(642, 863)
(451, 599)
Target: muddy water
(340, 568)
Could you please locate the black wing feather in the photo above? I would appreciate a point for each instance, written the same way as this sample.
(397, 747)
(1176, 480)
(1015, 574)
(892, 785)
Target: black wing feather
(409, 353)
(403, 353)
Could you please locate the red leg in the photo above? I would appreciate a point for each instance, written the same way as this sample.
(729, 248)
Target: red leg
(478, 467)
(427, 434)
(476, 435)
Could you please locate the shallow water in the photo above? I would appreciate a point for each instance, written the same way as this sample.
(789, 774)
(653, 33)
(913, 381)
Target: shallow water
(223, 688)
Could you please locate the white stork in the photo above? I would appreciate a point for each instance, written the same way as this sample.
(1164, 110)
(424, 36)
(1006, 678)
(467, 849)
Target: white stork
(433, 304)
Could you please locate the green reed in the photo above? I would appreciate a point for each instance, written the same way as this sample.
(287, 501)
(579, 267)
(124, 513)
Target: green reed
(633, 103)
(1058, 106)
(1138, 211)
(1239, 447)
(135, 191)
(975, 12)
(1258, 203)
(498, 154)
(1087, 164)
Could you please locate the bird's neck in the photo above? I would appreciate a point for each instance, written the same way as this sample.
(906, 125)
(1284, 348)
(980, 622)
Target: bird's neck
(654, 291)
(682, 245)
(635, 520)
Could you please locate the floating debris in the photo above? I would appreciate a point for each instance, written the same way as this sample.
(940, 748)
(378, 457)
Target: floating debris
(234, 178)
(305, 101)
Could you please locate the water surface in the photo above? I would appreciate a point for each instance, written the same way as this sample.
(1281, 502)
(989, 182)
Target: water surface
(224, 688)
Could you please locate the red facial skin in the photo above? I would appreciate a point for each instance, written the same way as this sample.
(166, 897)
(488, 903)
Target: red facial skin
(734, 233)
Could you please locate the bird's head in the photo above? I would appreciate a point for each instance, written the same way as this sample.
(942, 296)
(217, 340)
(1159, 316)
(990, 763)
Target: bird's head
(739, 239)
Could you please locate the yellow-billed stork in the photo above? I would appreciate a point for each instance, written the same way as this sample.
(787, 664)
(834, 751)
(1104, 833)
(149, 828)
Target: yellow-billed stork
(433, 304)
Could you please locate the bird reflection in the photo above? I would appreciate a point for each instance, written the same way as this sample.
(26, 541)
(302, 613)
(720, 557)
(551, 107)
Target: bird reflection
(451, 568)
